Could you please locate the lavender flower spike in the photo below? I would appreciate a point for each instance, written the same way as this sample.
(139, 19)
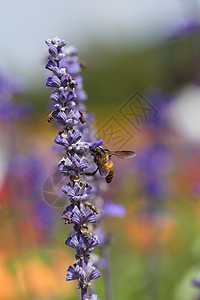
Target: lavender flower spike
(67, 95)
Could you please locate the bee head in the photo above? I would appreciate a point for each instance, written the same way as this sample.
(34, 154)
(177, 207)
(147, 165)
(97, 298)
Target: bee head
(95, 150)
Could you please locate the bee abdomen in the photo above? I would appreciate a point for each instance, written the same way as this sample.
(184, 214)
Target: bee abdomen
(109, 177)
(110, 166)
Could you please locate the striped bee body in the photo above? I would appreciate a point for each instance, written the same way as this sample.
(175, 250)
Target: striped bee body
(109, 164)
(102, 158)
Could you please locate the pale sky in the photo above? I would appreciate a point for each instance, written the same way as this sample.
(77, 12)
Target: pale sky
(25, 24)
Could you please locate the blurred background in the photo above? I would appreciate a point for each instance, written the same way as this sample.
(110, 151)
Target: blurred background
(142, 78)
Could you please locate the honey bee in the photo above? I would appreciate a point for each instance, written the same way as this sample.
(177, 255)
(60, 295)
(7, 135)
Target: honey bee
(82, 64)
(50, 117)
(92, 207)
(71, 82)
(82, 117)
(102, 158)
(85, 231)
(67, 219)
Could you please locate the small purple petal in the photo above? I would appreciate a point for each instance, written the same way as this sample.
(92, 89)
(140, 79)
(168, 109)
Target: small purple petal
(72, 242)
(53, 50)
(71, 275)
(61, 43)
(97, 143)
(48, 42)
(92, 272)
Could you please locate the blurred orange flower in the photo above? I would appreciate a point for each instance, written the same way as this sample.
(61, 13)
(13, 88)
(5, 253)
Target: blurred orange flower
(31, 275)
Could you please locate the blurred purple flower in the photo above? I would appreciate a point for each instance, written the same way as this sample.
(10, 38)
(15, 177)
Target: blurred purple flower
(153, 164)
(111, 209)
(160, 101)
(184, 27)
(11, 87)
(196, 283)
(27, 174)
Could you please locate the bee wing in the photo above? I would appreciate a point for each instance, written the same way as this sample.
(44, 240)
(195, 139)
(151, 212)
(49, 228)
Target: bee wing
(103, 170)
(123, 154)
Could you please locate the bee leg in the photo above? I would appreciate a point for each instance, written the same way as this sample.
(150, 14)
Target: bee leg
(92, 207)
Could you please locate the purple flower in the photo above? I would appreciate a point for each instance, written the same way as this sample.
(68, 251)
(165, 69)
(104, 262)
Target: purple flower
(53, 81)
(82, 245)
(69, 212)
(75, 137)
(68, 117)
(74, 273)
(83, 215)
(69, 138)
(77, 191)
(71, 62)
(73, 166)
(113, 209)
(83, 276)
